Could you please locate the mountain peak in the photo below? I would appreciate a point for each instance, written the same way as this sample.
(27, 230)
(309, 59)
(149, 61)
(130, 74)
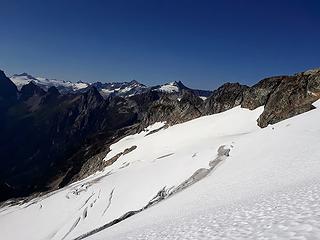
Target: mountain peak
(29, 90)
(312, 71)
(179, 84)
(2, 74)
(8, 91)
(53, 90)
(25, 75)
(64, 86)
(135, 82)
(93, 92)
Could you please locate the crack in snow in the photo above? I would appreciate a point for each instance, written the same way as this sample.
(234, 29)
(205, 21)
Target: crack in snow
(72, 228)
(223, 153)
(109, 202)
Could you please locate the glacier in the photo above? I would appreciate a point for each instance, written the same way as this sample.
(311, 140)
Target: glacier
(265, 187)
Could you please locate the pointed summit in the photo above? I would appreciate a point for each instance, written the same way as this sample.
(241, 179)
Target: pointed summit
(30, 90)
(24, 74)
(8, 91)
(93, 95)
(53, 91)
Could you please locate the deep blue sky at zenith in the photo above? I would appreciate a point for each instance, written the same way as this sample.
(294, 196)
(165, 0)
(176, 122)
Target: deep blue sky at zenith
(203, 43)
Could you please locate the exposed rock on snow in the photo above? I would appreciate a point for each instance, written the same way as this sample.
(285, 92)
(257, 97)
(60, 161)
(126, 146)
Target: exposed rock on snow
(228, 96)
(201, 173)
(258, 94)
(294, 95)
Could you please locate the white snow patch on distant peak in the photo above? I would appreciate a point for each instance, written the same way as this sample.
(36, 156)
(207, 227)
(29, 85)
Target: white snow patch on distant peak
(23, 79)
(203, 98)
(126, 89)
(312, 71)
(169, 88)
(107, 91)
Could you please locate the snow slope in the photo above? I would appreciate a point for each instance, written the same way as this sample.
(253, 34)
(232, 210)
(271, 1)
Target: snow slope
(266, 187)
(269, 188)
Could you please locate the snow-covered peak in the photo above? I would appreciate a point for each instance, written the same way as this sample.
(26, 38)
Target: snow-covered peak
(169, 87)
(312, 71)
(115, 88)
(22, 79)
(24, 75)
(178, 87)
(123, 89)
(64, 86)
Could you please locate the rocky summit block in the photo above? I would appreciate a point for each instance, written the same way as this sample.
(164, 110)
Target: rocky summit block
(293, 95)
(227, 96)
(8, 91)
(258, 94)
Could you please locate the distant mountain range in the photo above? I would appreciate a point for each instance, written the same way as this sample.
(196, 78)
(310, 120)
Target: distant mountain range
(123, 89)
(63, 86)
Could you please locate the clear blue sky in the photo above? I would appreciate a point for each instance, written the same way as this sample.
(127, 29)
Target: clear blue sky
(202, 43)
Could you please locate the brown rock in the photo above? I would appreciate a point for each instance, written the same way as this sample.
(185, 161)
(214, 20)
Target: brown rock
(293, 96)
(227, 96)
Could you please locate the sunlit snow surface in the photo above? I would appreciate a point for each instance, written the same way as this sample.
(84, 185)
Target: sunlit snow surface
(268, 188)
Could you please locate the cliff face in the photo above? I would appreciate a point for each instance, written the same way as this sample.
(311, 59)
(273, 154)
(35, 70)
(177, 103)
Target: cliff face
(258, 94)
(227, 96)
(8, 92)
(292, 96)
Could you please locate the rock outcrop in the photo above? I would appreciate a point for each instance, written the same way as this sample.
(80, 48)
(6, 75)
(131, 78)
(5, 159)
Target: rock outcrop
(31, 90)
(293, 95)
(258, 94)
(227, 96)
(8, 92)
(172, 109)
